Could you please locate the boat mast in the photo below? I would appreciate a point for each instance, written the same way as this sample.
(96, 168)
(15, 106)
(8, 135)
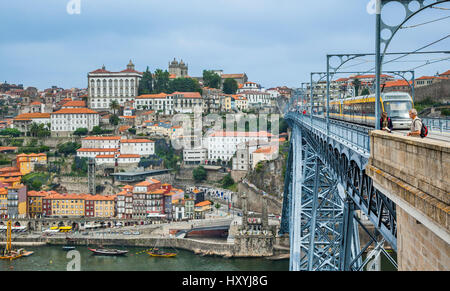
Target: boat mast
(8, 237)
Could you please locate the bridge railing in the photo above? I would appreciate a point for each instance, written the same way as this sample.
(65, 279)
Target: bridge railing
(437, 124)
(353, 135)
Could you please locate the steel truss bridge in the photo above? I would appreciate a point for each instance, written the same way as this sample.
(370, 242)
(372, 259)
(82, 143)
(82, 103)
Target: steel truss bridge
(327, 193)
(326, 190)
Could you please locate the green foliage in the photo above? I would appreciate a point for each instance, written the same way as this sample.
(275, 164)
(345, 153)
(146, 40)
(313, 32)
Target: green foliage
(152, 160)
(357, 84)
(14, 132)
(34, 149)
(184, 85)
(445, 111)
(217, 206)
(259, 166)
(39, 130)
(97, 130)
(227, 181)
(365, 91)
(114, 119)
(230, 86)
(199, 174)
(35, 180)
(80, 166)
(132, 130)
(68, 148)
(211, 79)
(146, 86)
(161, 83)
(426, 103)
(114, 105)
(16, 142)
(81, 131)
(167, 154)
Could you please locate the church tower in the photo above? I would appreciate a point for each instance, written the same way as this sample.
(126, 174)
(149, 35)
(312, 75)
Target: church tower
(178, 69)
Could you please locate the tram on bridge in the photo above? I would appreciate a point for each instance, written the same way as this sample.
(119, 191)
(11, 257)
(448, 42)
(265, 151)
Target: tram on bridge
(361, 109)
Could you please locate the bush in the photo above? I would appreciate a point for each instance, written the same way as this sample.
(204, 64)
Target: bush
(11, 132)
(227, 181)
(68, 148)
(199, 174)
(81, 131)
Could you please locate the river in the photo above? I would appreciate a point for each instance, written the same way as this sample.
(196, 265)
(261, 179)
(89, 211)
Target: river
(54, 258)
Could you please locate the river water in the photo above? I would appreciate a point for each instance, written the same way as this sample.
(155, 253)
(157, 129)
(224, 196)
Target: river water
(54, 258)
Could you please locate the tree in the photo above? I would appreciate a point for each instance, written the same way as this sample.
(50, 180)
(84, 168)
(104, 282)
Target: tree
(68, 148)
(211, 79)
(217, 206)
(184, 85)
(199, 174)
(14, 132)
(230, 86)
(365, 91)
(114, 106)
(161, 84)
(97, 130)
(80, 165)
(227, 181)
(146, 84)
(81, 131)
(356, 84)
(114, 119)
(132, 130)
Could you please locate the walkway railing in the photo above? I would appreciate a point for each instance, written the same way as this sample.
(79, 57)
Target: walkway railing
(353, 135)
(437, 124)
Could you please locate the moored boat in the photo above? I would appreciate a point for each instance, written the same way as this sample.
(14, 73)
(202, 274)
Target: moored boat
(68, 248)
(158, 253)
(108, 252)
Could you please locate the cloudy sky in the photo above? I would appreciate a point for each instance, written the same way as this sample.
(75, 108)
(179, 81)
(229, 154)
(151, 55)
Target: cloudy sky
(275, 42)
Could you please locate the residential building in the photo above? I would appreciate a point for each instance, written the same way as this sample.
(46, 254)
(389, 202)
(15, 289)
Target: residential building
(17, 201)
(162, 103)
(266, 153)
(101, 142)
(143, 147)
(222, 144)
(195, 156)
(103, 206)
(65, 121)
(256, 98)
(187, 102)
(239, 78)
(201, 209)
(249, 86)
(27, 162)
(23, 121)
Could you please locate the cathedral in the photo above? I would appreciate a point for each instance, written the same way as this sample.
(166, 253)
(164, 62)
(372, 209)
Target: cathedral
(178, 69)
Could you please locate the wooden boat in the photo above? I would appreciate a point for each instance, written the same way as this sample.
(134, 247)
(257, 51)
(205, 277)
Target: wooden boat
(68, 248)
(108, 252)
(9, 253)
(159, 253)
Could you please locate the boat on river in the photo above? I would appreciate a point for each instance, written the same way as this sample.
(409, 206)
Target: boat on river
(10, 254)
(108, 252)
(158, 253)
(68, 248)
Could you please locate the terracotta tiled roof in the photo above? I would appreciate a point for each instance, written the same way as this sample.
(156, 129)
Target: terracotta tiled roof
(29, 116)
(102, 138)
(151, 96)
(136, 141)
(77, 103)
(96, 150)
(75, 111)
(203, 203)
(188, 94)
(445, 73)
(129, 156)
(36, 103)
(265, 150)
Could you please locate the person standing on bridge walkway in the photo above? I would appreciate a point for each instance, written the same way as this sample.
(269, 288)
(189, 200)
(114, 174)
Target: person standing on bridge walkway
(386, 122)
(416, 124)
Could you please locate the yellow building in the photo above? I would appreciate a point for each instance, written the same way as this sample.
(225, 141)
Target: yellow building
(67, 205)
(35, 202)
(201, 208)
(226, 102)
(26, 163)
(104, 206)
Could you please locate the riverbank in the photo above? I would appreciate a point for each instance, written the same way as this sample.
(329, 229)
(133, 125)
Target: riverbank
(203, 247)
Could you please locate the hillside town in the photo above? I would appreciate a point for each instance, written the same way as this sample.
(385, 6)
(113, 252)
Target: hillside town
(122, 127)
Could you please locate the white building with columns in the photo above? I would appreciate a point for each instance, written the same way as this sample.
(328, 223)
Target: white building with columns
(105, 86)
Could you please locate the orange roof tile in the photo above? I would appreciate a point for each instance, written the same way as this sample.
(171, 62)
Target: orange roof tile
(136, 141)
(129, 156)
(102, 138)
(75, 111)
(203, 203)
(76, 103)
(96, 150)
(29, 116)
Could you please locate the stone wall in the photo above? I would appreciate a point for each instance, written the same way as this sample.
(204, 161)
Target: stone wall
(415, 174)
(254, 200)
(439, 92)
(418, 247)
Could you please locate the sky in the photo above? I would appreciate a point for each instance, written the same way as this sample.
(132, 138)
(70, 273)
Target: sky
(275, 42)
